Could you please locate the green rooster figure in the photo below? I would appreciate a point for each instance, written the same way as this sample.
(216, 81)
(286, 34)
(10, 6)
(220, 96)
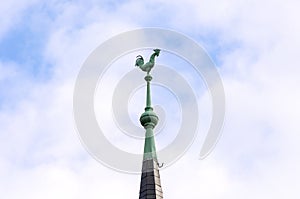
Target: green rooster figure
(149, 65)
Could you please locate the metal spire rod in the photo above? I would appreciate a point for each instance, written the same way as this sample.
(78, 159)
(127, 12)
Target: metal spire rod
(148, 78)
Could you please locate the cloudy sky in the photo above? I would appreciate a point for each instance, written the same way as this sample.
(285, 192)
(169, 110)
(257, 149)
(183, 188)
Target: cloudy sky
(255, 45)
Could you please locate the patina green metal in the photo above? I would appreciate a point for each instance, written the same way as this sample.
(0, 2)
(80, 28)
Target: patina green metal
(148, 119)
(150, 64)
(148, 78)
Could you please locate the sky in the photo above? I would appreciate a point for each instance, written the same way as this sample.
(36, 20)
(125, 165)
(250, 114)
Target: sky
(255, 46)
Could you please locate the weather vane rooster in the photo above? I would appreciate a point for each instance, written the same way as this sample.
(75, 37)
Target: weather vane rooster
(149, 65)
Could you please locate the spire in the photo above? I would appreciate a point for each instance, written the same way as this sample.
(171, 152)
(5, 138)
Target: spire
(150, 186)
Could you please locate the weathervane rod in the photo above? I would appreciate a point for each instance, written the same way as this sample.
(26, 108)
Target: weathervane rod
(148, 78)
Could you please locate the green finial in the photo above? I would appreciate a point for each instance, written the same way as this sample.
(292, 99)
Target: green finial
(148, 119)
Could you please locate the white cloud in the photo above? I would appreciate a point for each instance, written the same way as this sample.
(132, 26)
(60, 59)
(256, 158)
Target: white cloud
(11, 14)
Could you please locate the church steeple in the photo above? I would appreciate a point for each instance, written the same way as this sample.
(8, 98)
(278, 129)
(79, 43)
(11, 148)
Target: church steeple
(150, 186)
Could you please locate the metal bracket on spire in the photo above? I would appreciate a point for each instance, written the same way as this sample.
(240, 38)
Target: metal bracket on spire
(161, 165)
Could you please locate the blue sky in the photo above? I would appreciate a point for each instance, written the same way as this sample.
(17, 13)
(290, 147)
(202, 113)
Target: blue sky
(255, 46)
